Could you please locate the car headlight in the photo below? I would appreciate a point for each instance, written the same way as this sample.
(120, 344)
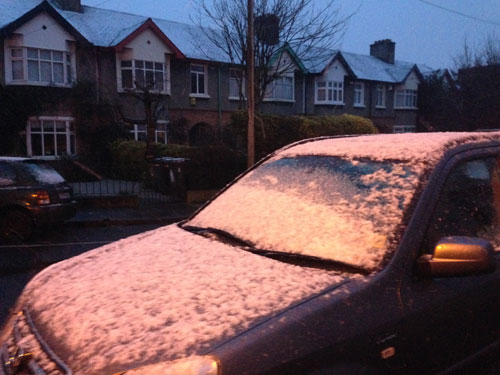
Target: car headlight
(196, 365)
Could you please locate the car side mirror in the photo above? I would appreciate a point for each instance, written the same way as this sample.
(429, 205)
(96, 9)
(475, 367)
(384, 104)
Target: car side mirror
(458, 256)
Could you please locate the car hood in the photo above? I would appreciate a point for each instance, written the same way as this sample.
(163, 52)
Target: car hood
(159, 296)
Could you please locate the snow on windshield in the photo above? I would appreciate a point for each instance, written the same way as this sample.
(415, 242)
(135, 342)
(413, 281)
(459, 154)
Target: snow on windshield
(44, 173)
(323, 206)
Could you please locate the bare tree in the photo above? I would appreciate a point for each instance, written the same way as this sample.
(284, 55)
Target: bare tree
(310, 32)
(485, 53)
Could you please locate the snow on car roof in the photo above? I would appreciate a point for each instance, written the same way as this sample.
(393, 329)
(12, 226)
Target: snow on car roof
(13, 158)
(159, 296)
(426, 147)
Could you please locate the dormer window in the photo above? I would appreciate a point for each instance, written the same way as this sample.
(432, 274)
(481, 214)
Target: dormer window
(40, 67)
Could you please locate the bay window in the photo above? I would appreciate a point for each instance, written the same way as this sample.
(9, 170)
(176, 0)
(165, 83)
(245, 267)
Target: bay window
(50, 136)
(139, 132)
(141, 74)
(406, 98)
(281, 88)
(329, 92)
(40, 66)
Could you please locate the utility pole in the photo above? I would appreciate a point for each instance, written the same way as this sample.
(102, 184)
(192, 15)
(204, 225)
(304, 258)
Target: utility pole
(250, 86)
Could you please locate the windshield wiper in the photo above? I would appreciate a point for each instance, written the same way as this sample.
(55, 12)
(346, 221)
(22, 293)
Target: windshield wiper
(221, 234)
(292, 258)
(310, 261)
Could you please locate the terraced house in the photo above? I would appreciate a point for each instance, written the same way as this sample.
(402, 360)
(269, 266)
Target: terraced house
(57, 47)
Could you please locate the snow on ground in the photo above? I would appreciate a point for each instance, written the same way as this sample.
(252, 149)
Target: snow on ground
(161, 295)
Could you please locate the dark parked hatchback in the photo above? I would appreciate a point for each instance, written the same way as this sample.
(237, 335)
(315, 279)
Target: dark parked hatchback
(32, 193)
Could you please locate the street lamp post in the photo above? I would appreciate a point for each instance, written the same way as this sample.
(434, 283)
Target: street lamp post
(250, 86)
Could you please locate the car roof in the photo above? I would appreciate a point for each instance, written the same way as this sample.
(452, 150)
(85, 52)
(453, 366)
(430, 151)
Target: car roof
(416, 147)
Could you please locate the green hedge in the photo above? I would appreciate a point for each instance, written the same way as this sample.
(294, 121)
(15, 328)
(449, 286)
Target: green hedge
(209, 167)
(273, 132)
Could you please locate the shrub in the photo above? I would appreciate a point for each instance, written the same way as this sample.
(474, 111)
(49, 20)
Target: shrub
(273, 132)
(208, 167)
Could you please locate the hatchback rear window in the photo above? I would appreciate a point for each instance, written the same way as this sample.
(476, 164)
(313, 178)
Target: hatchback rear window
(44, 174)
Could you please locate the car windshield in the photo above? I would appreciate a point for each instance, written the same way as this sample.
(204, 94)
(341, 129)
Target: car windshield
(43, 173)
(321, 206)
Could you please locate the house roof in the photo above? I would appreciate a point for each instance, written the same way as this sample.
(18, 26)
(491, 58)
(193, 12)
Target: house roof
(109, 28)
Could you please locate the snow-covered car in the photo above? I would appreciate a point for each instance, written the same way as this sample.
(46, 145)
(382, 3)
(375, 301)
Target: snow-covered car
(32, 193)
(368, 254)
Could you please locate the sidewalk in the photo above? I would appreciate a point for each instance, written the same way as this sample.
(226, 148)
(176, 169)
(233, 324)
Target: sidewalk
(165, 213)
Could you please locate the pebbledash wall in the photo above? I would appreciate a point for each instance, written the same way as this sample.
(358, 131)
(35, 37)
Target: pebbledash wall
(194, 87)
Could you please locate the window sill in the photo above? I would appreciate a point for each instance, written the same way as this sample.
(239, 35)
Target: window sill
(128, 91)
(278, 100)
(380, 107)
(406, 108)
(41, 84)
(235, 98)
(329, 103)
(199, 96)
(359, 106)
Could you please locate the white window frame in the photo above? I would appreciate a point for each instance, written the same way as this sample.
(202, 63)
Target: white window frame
(68, 132)
(273, 89)
(136, 65)
(237, 76)
(397, 129)
(29, 61)
(380, 96)
(359, 95)
(333, 92)
(407, 99)
(197, 74)
(161, 128)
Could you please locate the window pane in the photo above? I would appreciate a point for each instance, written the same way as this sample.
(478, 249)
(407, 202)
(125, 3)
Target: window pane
(233, 87)
(32, 53)
(139, 78)
(125, 64)
(201, 83)
(48, 126)
(58, 73)
(46, 75)
(33, 72)
(127, 79)
(17, 69)
(322, 95)
(45, 54)
(158, 66)
(161, 137)
(197, 68)
(61, 144)
(69, 74)
(48, 144)
(139, 64)
(36, 126)
(57, 56)
(149, 79)
(194, 86)
(36, 144)
(159, 81)
(16, 52)
(149, 65)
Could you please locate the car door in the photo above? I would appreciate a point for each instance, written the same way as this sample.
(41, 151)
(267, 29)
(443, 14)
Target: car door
(448, 319)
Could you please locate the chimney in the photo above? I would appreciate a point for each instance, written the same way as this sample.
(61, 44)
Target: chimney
(384, 50)
(72, 5)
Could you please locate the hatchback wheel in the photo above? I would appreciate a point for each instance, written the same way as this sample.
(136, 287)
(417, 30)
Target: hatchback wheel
(15, 226)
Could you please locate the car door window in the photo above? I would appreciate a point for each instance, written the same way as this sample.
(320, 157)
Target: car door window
(469, 204)
(7, 175)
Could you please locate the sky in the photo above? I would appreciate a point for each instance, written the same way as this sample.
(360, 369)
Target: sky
(431, 32)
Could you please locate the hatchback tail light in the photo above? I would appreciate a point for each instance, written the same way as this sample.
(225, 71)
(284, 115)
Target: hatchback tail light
(41, 197)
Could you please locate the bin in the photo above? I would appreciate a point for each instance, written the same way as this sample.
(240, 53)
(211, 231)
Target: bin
(169, 176)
